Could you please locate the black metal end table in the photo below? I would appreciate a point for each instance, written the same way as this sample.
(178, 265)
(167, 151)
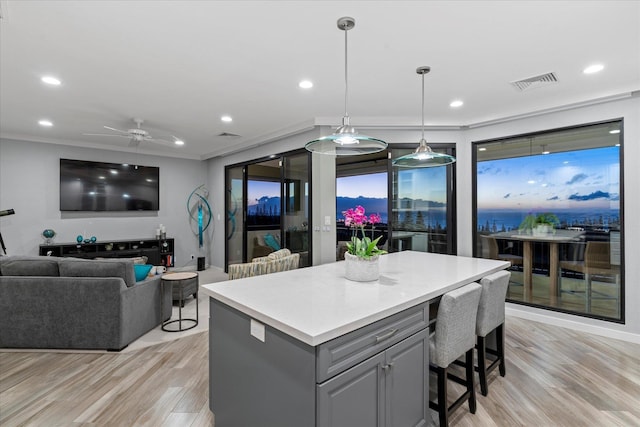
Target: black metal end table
(182, 280)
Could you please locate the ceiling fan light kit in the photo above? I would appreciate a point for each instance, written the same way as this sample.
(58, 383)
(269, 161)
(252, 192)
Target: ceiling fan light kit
(423, 156)
(346, 141)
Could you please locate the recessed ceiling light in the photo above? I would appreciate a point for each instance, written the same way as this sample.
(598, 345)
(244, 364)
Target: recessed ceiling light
(45, 123)
(306, 84)
(482, 149)
(614, 131)
(179, 142)
(457, 103)
(226, 119)
(50, 80)
(593, 68)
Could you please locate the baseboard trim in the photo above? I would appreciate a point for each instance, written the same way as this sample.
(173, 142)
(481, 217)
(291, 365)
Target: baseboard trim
(543, 316)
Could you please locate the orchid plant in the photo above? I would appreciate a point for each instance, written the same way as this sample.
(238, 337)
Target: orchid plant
(366, 247)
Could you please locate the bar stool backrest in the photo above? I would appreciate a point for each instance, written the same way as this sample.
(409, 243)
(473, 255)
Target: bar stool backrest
(455, 325)
(491, 306)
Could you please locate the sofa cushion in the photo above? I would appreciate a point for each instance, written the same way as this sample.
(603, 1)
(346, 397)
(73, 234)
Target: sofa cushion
(29, 266)
(142, 271)
(271, 241)
(279, 254)
(248, 269)
(122, 268)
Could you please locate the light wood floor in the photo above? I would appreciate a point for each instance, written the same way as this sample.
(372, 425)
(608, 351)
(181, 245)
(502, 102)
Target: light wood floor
(555, 377)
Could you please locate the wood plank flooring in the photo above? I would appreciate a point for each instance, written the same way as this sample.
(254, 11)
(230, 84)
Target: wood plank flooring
(555, 377)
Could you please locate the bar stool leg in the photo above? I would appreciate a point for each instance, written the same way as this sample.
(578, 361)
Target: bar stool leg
(482, 366)
(470, 386)
(500, 348)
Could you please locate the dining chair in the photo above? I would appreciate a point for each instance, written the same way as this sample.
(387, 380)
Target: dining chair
(597, 263)
(491, 318)
(491, 250)
(454, 336)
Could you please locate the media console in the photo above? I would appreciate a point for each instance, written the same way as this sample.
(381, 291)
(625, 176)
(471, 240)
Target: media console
(158, 252)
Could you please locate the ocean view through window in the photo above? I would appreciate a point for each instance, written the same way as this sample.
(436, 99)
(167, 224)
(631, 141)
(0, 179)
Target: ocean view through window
(545, 202)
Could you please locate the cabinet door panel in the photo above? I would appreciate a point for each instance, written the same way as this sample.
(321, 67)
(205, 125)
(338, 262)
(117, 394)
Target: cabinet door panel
(354, 398)
(407, 382)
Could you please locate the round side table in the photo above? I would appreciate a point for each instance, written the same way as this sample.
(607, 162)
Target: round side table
(181, 280)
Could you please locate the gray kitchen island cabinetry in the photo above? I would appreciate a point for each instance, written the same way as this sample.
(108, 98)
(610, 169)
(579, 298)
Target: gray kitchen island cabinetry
(308, 347)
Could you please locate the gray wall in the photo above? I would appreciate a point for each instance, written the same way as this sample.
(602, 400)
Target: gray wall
(29, 184)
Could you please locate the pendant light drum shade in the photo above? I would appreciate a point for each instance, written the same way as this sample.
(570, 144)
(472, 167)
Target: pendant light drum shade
(424, 156)
(346, 141)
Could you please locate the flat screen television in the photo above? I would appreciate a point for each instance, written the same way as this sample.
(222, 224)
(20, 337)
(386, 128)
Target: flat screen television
(99, 186)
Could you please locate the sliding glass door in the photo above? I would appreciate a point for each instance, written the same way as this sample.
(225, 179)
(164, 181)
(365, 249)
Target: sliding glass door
(268, 207)
(423, 207)
(296, 205)
(234, 202)
(416, 205)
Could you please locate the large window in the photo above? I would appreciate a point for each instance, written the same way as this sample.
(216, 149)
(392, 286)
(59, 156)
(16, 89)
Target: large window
(416, 205)
(362, 181)
(551, 204)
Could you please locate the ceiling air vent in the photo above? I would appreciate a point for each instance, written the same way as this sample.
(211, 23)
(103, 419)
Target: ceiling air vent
(536, 81)
(229, 135)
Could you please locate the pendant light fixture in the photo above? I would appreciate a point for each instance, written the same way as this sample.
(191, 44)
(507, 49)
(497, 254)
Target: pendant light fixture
(424, 156)
(346, 141)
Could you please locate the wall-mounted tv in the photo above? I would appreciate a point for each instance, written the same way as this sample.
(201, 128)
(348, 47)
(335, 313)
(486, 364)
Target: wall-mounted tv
(99, 186)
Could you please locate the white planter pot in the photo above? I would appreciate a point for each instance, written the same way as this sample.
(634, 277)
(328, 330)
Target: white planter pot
(542, 230)
(360, 269)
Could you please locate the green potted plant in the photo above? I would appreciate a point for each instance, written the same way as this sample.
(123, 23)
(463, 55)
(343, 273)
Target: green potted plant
(540, 224)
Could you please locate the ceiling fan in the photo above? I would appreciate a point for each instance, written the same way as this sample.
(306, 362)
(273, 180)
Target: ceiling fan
(137, 135)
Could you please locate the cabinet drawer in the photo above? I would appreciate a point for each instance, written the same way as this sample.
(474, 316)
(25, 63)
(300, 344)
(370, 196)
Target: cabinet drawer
(341, 353)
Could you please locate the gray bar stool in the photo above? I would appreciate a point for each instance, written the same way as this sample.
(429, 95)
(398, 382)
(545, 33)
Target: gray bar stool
(491, 318)
(455, 335)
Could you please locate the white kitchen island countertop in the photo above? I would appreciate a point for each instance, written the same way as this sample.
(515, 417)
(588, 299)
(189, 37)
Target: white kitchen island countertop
(317, 304)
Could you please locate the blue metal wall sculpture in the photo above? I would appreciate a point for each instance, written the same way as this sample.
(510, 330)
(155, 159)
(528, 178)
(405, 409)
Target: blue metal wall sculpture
(197, 202)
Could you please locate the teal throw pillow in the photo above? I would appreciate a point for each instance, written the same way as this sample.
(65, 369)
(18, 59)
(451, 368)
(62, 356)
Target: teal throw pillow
(142, 270)
(271, 242)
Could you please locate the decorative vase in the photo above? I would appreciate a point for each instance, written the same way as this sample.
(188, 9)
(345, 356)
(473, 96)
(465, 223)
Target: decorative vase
(361, 269)
(48, 234)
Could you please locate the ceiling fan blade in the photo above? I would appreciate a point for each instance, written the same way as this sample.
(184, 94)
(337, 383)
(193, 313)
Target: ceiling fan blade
(106, 134)
(163, 142)
(117, 130)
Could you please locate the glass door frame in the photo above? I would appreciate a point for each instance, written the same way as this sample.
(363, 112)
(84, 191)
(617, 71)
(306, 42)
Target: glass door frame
(245, 175)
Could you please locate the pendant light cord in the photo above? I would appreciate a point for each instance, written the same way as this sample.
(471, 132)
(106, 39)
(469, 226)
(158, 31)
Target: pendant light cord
(346, 82)
(422, 108)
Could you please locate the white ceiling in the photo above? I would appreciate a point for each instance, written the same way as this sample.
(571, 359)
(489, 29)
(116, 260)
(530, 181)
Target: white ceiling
(181, 65)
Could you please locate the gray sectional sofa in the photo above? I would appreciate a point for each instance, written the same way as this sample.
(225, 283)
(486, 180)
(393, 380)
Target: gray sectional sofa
(69, 303)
